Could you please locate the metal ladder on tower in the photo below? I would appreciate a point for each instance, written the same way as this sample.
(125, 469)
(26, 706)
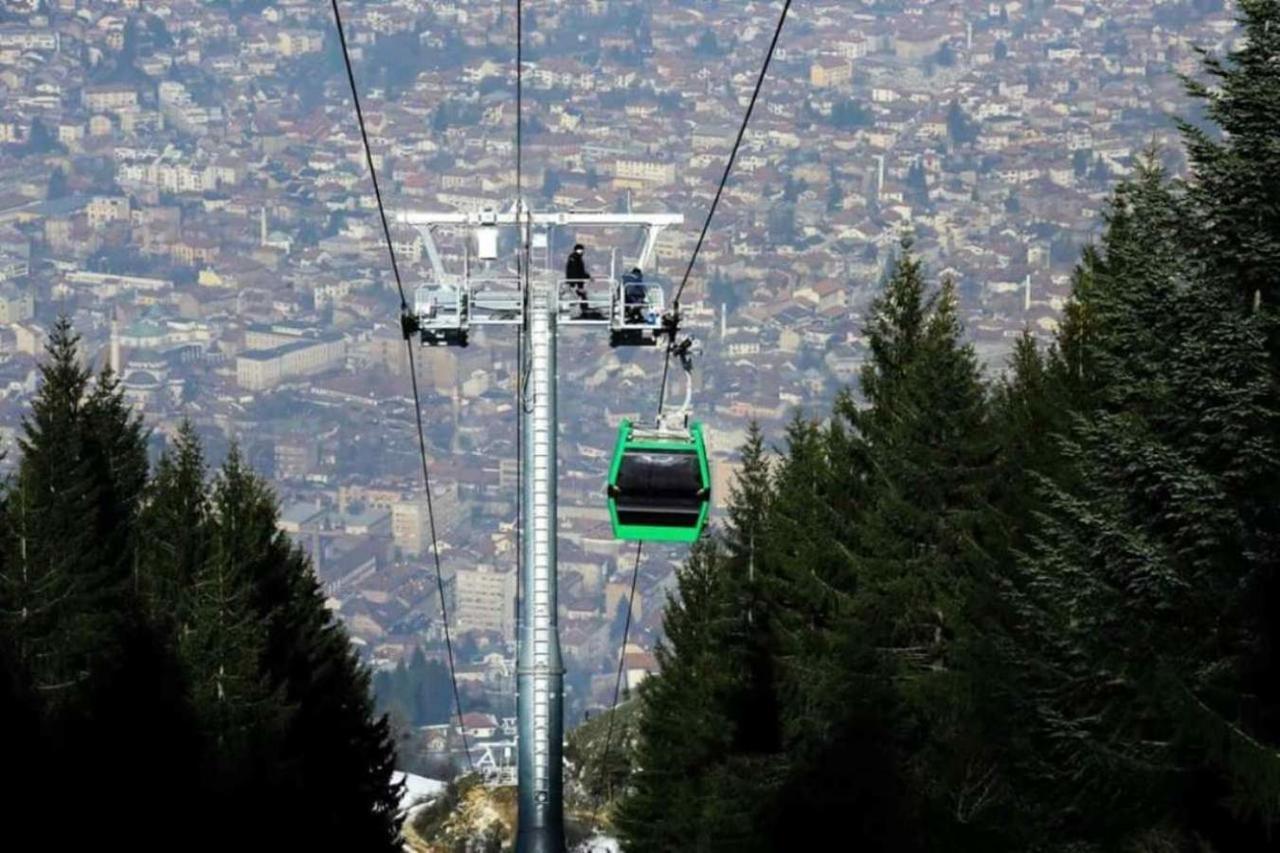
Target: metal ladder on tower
(543, 663)
(541, 523)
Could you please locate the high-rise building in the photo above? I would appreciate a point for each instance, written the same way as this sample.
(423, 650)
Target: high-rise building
(485, 600)
(409, 527)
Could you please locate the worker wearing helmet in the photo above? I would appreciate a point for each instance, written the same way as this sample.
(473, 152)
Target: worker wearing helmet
(576, 276)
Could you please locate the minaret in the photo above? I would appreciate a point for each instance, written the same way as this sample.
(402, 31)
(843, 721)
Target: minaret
(115, 348)
(1026, 291)
(262, 226)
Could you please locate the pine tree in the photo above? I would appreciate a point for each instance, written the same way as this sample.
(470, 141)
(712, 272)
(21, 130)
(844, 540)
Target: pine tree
(1107, 342)
(874, 532)
(340, 758)
(1236, 185)
(802, 569)
(895, 329)
(70, 514)
(685, 732)
(22, 737)
(175, 522)
(929, 460)
(750, 498)
(1235, 195)
(220, 640)
(929, 538)
(837, 705)
(57, 187)
(839, 708)
(752, 645)
(49, 502)
(139, 718)
(116, 443)
(898, 581)
(1032, 410)
(1029, 411)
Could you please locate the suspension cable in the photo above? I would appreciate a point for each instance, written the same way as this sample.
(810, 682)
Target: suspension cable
(715, 203)
(413, 377)
(519, 100)
(617, 685)
(368, 154)
(435, 554)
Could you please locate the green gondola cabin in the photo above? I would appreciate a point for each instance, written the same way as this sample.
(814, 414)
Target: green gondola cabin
(659, 484)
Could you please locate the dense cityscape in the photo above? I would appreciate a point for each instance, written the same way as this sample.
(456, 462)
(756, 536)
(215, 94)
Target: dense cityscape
(185, 180)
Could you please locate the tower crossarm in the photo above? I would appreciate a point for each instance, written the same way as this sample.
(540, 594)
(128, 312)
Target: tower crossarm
(575, 219)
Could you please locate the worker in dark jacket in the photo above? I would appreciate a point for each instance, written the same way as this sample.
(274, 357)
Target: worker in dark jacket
(576, 276)
(635, 296)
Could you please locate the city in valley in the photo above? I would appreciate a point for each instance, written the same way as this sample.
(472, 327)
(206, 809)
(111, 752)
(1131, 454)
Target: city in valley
(186, 181)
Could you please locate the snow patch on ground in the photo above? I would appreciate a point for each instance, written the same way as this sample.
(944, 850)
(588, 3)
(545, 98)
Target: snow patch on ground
(599, 844)
(417, 789)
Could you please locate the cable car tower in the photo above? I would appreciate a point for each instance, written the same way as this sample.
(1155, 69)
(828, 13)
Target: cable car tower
(540, 301)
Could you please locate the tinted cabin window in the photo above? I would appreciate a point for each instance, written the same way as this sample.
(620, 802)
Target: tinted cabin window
(659, 488)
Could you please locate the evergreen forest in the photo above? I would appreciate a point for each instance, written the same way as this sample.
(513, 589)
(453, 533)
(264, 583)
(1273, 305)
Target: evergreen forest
(1032, 612)
(170, 677)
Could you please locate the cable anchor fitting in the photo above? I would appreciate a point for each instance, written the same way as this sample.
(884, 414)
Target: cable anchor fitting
(684, 351)
(670, 325)
(409, 325)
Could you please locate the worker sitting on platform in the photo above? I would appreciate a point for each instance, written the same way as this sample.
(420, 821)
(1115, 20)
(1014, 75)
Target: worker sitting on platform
(635, 296)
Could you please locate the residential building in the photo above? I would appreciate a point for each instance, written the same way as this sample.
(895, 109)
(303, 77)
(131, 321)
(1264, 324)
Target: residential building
(485, 600)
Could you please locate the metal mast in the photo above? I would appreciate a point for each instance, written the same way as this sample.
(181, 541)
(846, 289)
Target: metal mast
(539, 669)
(446, 310)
